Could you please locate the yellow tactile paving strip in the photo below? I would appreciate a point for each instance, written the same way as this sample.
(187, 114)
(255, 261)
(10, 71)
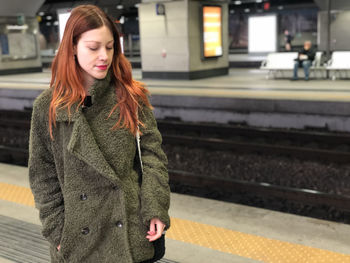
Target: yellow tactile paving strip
(18, 194)
(221, 239)
(250, 246)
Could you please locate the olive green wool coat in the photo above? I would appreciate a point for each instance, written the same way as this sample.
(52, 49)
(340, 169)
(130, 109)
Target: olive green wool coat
(85, 183)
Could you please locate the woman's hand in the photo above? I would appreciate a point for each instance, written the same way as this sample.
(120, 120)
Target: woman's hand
(58, 247)
(156, 229)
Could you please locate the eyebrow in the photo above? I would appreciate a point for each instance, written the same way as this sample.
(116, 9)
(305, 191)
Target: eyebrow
(98, 41)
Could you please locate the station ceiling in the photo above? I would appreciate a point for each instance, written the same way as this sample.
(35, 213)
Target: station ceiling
(129, 9)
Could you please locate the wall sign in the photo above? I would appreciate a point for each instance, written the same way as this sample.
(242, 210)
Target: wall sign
(212, 31)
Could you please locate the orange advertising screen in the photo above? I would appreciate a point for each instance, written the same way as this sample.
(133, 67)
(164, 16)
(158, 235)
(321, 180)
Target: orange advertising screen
(212, 31)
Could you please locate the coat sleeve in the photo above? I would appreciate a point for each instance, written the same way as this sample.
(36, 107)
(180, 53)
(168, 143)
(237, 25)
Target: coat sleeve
(155, 190)
(43, 178)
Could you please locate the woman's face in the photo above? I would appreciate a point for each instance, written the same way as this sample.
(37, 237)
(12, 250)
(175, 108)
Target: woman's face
(94, 52)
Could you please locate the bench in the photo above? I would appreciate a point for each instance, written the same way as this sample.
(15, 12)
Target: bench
(318, 65)
(279, 62)
(339, 63)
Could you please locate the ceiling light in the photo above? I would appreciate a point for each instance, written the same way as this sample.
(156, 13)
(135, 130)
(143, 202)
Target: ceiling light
(41, 13)
(137, 5)
(232, 11)
(120, 7)
(48, 17)
(238, 2)
(258, 1)
(247, 10)
(280, 7)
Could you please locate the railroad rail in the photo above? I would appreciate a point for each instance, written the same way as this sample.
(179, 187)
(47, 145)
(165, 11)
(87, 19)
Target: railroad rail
(305, 145)
(251, 132)
(303, 196)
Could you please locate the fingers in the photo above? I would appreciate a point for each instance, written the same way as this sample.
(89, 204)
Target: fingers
(156, 230)
(152, 227)
(58, 247)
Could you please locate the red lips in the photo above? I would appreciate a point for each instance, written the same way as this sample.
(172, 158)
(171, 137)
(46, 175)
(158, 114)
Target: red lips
(102, 67)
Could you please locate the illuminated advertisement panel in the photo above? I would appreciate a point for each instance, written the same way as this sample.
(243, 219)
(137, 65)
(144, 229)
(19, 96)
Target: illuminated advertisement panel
(63, 15)
(212, 31)
(262, 33)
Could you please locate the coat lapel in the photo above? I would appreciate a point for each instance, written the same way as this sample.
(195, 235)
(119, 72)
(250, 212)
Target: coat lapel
(82, 144)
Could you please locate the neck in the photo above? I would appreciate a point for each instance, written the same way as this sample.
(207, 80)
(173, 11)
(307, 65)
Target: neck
(88, 82)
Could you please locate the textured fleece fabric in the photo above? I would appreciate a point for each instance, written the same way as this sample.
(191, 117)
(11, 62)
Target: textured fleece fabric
(85, 182)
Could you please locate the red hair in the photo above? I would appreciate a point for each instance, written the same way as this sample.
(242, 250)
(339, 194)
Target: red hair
(66, 80)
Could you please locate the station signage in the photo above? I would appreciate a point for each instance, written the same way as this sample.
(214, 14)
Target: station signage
(212, 31)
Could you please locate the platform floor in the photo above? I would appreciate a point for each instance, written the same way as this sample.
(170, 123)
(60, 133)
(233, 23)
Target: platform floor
(206, 230)
(240, 83)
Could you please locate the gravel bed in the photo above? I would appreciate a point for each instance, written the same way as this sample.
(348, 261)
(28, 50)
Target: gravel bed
(283, 171)
(291, 172)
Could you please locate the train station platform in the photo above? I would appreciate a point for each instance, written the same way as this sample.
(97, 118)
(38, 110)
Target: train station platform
(244, 96)
(203, 230)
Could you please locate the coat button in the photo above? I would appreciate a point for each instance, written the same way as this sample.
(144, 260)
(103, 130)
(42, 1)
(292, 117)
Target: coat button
(85, 231)
(83, 197)
(119, 224)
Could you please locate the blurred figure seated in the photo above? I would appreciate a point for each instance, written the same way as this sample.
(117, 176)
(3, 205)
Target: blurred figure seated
(305, 58)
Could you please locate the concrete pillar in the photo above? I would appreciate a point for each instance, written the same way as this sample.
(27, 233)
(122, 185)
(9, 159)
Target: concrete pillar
(171, 44)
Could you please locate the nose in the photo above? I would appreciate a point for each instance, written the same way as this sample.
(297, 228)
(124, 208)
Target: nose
(103, 54)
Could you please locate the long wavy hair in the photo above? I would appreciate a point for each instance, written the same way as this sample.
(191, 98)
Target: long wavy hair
(67, 78)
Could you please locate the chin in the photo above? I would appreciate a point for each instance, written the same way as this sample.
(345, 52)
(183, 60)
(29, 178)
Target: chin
(101, 75)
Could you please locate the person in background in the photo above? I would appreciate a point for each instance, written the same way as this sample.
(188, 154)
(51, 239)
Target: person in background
(304, 59)
(97, 201)
(287, 40)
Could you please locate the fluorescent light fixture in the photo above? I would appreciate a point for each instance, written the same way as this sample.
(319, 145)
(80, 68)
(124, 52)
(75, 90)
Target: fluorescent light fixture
(232, 11)
(247, 10)
(48, 17)
(17, 27)
(48, 23)
(262, 33)
(55, 23)
(258, 1)
(41, 13)
(238, 2)
(280, 7)
(120, 7)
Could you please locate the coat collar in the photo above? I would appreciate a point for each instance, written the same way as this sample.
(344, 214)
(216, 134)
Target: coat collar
(83, 145)
(82, 141)
(96, 91)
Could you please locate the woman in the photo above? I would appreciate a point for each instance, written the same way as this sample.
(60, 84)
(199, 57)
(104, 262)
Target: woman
(83, 152)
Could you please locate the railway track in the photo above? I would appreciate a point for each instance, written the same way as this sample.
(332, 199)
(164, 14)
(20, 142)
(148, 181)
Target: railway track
(305, 145)
(234, 131)
(225, 138)
(225, 186)
(302, 196)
